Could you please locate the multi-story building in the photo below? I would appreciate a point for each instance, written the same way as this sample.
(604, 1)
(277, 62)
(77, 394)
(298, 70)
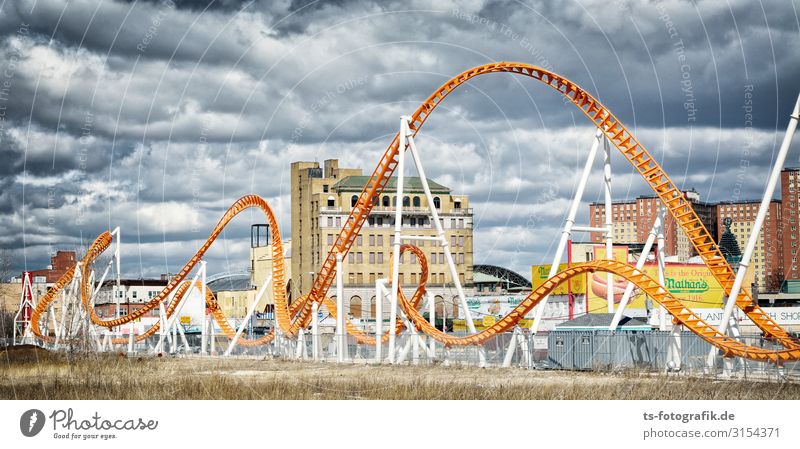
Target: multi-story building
(321, 202)
(131, 296)
(767, 259)
(59, 264)
(790, 209)
(633, 220)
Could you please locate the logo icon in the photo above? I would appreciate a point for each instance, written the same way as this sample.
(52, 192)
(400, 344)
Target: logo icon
(31, 422)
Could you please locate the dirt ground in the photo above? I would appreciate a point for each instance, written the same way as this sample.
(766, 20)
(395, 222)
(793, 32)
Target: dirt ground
(33, 373)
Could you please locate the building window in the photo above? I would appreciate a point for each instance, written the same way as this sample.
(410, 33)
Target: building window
(372, 240)
(353, 200)
(457, 204)
(406, 201)
(437, 203)
(355, 306)
(416, 201)
(360, 257)
(331, 201)
(325, 188)
(380, 257)
(371, 257)
(380, 240)
(385, 201)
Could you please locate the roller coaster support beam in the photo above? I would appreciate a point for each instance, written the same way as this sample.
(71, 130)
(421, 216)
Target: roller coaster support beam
(759, 222)
(250, 310)
(206, 318)
(661, 261)
(341, 332)
(22, 319)
(379, 296)
(608, 221)
(398, 229)
(648, 245)
(568, 227)
(315, 331)
(432, 316)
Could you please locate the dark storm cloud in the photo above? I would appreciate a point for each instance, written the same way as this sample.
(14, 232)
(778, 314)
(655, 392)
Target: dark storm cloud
(156, 115)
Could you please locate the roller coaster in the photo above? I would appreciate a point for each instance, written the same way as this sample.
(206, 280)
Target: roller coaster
(291, 320)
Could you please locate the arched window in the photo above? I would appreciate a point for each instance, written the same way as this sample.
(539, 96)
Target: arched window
(353, 200)
(406, 201)
(438, 301)
(437, 203)
(372, 308)
(375, 200)
(385, 201)
(416, 201)
(394, 201)
(355, 307)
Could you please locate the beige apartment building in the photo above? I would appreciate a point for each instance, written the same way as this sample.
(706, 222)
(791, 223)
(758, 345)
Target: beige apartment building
(322, 198)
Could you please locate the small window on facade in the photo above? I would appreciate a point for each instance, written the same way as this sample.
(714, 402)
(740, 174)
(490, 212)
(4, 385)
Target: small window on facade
(353, 200)
(406, 201)
(385, 201)
(437, 203)
(416, 201)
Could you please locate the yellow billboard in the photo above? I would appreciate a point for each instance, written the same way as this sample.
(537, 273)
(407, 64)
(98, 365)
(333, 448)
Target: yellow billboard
(539, 276)
(691, 283)
(540, 273)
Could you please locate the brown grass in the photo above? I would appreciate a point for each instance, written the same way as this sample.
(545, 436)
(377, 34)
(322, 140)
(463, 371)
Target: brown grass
(32, 373)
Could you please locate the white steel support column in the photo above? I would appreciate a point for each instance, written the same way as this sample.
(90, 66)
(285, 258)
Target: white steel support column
(648, 245)
(315, 330)
(568, 225)
(432, 316)
(379, 320)
(763, 209)
(341, 332)
(206, 318)
(250, 310)
(398, 229)
(609, 224)
(661, 256)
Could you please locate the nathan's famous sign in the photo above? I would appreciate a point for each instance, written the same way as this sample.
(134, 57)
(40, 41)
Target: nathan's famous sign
(692, 283)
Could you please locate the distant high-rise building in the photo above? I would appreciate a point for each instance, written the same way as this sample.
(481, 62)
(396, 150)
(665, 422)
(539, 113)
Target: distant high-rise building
(633, 220)
(790, 205)
(767, 258)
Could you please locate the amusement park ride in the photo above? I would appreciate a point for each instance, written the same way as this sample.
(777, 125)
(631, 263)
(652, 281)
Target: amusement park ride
(295, 322)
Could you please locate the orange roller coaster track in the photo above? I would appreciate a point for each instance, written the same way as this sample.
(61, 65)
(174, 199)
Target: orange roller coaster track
(290, 318)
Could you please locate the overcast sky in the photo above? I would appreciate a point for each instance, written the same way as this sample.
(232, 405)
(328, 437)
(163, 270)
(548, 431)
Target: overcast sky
(155, 116)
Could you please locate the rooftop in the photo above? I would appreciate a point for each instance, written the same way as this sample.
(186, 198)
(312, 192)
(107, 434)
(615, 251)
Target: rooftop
(412, 184)
(601, 321)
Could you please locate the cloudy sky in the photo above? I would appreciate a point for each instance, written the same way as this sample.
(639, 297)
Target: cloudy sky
(156, 115)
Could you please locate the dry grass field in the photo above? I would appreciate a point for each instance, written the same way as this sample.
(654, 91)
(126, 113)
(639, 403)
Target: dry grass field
(33, 373)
